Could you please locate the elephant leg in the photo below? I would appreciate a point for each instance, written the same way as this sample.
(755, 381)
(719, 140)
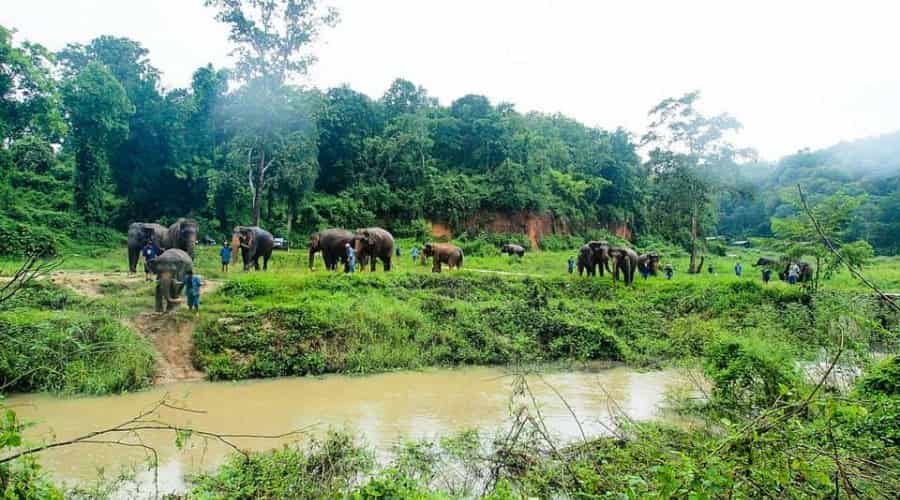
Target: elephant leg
(387, 264)
(372, 263)
(133, 254)
(266, 262)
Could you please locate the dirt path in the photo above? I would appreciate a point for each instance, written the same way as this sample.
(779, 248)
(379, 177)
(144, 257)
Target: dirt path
(172, 336)
(90, 284)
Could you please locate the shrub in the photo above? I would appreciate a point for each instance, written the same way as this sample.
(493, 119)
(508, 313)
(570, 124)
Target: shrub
(882, 380)
(750, 374)
(71, 353)
(324, 469)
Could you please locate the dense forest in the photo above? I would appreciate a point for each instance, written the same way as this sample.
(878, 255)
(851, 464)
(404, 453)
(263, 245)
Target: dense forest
(91, 141)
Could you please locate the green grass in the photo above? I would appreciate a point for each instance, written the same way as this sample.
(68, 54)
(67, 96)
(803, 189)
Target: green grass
(70, 352)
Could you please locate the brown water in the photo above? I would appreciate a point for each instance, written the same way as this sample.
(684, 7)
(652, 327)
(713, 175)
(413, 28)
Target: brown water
(382, 409)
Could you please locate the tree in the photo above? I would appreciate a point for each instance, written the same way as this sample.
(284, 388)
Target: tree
(686, 146)
(403, 97)
(98, 110)
(29, 98)
(272, 39)
(146, 158)
(834, 215)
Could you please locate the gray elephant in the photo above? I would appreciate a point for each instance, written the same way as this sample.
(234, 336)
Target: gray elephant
(512, 249)
(182, 235)
(585, 261)
(373, 243)
(649, 263)
(443, 253)
(170, 269)
(253, 243)
(332, 243)
(624, 259)
(600, 250)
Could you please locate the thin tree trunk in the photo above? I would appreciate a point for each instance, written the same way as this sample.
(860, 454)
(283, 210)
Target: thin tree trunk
(693, 266)
(260, 178)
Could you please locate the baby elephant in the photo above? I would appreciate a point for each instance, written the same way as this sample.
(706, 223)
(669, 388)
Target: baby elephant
(443, 253)
(170, 269)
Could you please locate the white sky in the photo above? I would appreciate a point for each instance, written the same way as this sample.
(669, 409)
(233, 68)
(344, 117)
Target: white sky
(796, 73)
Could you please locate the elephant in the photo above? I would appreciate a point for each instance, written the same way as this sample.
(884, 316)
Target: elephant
(374, 243)
(649, 263)
(624, 259)
(585, 260)
(600, 250)
(766, 261)
(512, 249)
(254, 242)
(806, 272)
(332, 243)
(182, 235)
(170, 269)
(443, 253)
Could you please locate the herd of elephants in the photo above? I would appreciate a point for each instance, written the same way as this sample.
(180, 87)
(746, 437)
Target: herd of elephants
(177, 244)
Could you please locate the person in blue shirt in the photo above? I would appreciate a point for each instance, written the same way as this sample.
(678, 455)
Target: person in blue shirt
(397, 251)
(668, 270)
(738, 269)
(225, 252)
(414, 253)
(571, 264)
(192, 284)
(150, 253)
(351, 259)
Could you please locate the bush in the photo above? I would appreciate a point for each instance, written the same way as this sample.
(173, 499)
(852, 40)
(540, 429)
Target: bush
(750, 374)
(325, 469)
(18, 239)
(71, 353)
(882, 380)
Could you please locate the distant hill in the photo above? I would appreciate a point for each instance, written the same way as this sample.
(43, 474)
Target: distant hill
(869, 166)
(870, 157)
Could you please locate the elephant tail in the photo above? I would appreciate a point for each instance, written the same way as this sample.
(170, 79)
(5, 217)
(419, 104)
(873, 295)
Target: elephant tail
(460, 260)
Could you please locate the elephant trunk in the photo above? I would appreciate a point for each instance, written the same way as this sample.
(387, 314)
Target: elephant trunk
(235, 247)
(312, 255)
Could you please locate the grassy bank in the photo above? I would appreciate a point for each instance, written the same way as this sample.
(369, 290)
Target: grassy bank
(275, 324)
(52, 339)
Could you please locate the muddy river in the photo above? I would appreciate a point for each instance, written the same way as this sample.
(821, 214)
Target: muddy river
(381, 409)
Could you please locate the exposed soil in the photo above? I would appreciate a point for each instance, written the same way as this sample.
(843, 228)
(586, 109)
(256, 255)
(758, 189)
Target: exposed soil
(90, 284)
(173, 339)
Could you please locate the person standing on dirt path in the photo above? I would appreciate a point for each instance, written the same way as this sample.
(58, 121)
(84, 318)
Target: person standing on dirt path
(738, 269)
(351, 259)
(767, 275)
(192, 284)
(571, 264)
(150, 253)
(225, 253)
